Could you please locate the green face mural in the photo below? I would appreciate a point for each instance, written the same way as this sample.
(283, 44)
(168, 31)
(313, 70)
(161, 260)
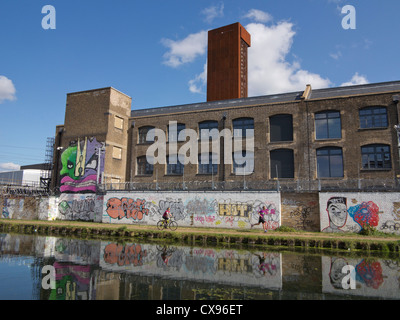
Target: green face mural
(68, 160)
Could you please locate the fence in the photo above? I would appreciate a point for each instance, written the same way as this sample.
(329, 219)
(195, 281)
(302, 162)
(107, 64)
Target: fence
(364, 185)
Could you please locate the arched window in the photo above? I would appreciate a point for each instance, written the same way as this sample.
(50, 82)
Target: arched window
(144, 137)
(243, 127)
(330, 162)
(282, 163)
(208, 130)
(174, 130)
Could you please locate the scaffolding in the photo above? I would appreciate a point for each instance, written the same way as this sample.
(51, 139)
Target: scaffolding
(45, 175)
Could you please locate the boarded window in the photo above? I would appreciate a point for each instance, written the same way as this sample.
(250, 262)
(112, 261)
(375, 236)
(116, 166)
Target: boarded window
(118, 123)
(117, 153)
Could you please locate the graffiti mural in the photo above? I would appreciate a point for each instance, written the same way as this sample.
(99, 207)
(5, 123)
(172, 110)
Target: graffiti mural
(80, 166)
(353, 212)
(192, 208)
(365, 214)
(337, 213)
(4, 212)
(127, 208)
(80, 207)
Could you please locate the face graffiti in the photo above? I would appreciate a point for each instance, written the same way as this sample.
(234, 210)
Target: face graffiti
(337, 212)
(80, 166)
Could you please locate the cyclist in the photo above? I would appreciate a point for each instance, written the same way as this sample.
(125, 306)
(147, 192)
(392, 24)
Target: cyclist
(166, 216)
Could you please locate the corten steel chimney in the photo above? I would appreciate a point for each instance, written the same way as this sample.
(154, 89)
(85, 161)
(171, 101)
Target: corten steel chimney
(227, 62)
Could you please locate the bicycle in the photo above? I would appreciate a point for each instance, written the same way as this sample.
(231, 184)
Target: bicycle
(164, 224)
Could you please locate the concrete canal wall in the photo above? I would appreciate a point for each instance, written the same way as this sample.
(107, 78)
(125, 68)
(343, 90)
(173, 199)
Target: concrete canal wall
(324, 211)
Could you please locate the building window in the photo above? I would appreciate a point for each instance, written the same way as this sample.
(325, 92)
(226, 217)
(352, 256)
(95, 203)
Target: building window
(376, 156)
(118, 122)
(282, 163)
(117, 153)
(208, 163)
(373, 117)
(173, 132)
(144, 137)
(330, 162)
(174, 166)
(328, 125)
(281, 128)
(205, 130)
(144, 167)
(241, 125)
(243, 162)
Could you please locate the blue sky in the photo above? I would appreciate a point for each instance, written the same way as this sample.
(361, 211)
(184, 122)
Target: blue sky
(155, 52)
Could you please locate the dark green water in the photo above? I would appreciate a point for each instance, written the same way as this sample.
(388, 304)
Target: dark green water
(106, 270)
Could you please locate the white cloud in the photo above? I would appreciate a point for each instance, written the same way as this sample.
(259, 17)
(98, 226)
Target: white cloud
(198, 84)
(269, 71)
(9, 166)
(336, 55)
(7, 89)
(258, 16)
(213, 12)
(356, 80)
(186, 50)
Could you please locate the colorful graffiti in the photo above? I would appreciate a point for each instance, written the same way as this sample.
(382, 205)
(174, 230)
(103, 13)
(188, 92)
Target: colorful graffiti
(4, 212)
(191, 209)
(80, 166)
(235, 209)
(365, 214)
(127, 208)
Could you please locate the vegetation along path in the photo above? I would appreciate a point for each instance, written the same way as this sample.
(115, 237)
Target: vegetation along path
(283, 237)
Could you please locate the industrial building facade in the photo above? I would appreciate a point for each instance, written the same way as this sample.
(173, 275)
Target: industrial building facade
(327, 137)
(337, 138)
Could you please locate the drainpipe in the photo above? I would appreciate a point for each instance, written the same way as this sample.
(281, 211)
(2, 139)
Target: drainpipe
(396, 99)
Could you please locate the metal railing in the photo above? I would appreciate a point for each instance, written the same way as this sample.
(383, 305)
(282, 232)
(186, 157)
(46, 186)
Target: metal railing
(339, 185)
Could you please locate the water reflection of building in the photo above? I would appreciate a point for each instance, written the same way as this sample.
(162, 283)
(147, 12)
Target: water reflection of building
(95, 270)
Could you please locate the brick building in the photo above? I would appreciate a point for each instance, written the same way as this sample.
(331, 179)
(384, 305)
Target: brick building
(337, 138)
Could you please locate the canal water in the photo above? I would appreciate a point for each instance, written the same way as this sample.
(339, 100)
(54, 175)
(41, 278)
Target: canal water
(56, 268)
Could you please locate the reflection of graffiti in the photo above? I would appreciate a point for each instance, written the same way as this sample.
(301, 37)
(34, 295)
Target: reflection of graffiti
(236, 209)
(365, 214)
(267, 264)
(80, 166)
(335, 273)
(126, 208)
(337, 212)
(72, 282)
(124, 255)
(370, 273)
(234, 265)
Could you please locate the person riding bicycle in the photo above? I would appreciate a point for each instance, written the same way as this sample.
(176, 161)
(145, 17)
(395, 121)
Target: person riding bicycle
(166, 216)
